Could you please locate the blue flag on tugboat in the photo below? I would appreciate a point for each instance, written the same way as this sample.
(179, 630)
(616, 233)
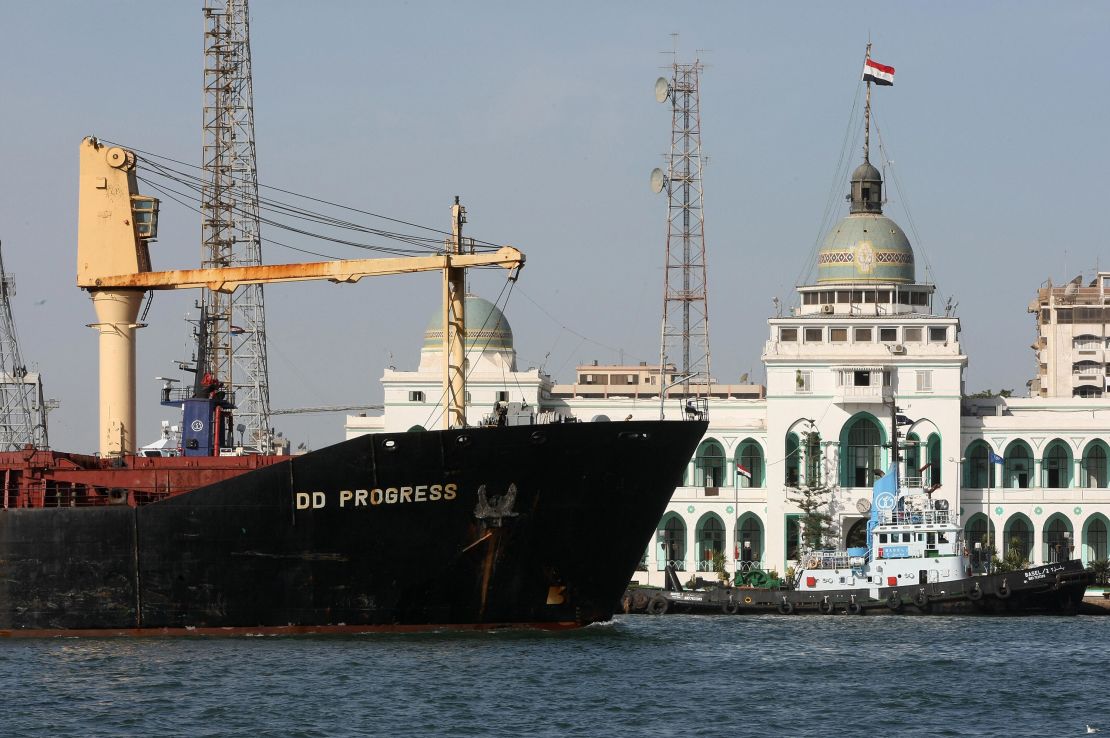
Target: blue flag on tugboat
(883, 498)
(993, 457)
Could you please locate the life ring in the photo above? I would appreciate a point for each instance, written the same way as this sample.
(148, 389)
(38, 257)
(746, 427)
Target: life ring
(894, 602)
(1002, 592)
(639, 600)
(921, 599)
(975, 593)
(730, 607)
(658, 605)
(786, 607)
(826, 606)
(748, 600)
(855, 608)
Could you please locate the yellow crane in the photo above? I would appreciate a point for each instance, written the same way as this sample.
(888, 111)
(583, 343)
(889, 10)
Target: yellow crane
(115, 225)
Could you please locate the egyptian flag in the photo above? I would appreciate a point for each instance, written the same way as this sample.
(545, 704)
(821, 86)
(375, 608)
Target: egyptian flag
(880, 74)
(743, 472)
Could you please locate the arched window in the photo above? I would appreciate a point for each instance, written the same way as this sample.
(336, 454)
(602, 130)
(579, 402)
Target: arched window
(709, 464)
(1057, 539)
(793, 537)
(978, 471)
(1017, 466)
(1094, 465)
(912, 454)
(749, 540)
(1019, 536)
(793, 460)
(857, 535)
(932, 447)
(860, 448)
(1056, 466)
(711, 541)
(750, 457)
(979, 541)
(672, 543)
(1095, 539)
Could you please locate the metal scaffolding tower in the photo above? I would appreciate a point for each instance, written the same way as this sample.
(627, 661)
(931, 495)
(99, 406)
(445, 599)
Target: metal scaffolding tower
(685, 342)
(235, 347)
(22, 408)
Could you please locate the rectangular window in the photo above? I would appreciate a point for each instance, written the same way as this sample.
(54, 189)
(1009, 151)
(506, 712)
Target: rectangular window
(802, 382)
(809, 298)
(863, 335)
(416, 396)
(938, 334)
(861, 379)
(884, 295)
(913, 335)
(813, 335)
(882, 538)
(503, 396)
(838, 335)
(888, 335)
(788, 335)
(924, 380)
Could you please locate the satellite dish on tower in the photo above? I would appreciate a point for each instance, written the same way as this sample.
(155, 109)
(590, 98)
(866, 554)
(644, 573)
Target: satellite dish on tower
(658, 180)
(662, 89)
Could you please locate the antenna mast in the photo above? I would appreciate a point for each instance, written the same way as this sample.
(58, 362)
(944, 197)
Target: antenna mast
(685, 341)
(867, 113)
(236, 331)
(22, 408)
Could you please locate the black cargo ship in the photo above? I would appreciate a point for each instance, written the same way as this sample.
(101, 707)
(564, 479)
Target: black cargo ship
(537, 526)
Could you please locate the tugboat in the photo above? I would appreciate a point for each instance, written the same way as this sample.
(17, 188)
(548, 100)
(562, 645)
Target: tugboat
(917, 561)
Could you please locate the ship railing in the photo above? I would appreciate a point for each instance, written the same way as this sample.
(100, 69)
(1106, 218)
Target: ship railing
(831, 560)
(917, 517)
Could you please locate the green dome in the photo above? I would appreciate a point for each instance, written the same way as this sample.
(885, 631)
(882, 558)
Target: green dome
(486, 327)
(866, 247)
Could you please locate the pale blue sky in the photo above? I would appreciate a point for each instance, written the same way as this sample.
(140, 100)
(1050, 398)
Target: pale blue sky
(541, 116)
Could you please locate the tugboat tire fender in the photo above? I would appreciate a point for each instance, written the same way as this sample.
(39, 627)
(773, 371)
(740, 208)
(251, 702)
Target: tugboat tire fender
(658, 605)
(1003, 591)
(894, 602)
(921, 599)
(855, 608)
(975, 593)
(786, 607)
(639, 600)
(826, 606)
(730, 608)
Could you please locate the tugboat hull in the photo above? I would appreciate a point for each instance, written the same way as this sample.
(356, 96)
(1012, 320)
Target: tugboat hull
(1048, 589)
(538, 526)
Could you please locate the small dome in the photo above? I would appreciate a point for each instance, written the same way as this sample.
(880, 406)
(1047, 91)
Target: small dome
(866, 172)
(487, 329)
(866, 247)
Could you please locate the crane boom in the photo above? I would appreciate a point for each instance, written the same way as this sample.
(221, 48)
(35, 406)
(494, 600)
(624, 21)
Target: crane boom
(115, 226)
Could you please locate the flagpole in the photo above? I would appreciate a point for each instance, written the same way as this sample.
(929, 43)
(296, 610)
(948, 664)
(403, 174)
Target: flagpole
(867, 113)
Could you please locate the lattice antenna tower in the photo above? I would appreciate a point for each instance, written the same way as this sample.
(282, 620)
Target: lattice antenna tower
(685, 341)
(22, 408)
(235, 349)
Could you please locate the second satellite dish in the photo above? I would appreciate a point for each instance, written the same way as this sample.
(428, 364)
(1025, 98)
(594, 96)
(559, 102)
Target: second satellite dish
(662, 89)
(657, 180)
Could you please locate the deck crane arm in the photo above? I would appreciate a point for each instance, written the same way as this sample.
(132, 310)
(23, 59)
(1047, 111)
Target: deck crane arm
(115, 226)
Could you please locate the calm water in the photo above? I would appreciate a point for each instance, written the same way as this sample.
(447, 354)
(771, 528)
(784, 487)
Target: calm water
(657, 676)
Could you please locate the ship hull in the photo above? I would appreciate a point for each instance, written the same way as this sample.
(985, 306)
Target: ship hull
(1048, 589)
(527, 526)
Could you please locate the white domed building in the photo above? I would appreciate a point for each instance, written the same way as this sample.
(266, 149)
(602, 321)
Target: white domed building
(863, 339)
